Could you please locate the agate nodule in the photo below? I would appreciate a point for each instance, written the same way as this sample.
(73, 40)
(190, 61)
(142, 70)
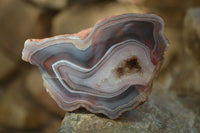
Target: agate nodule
(107, 69)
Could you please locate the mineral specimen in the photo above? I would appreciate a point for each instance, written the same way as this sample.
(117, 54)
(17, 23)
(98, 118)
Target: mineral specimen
(107, 69)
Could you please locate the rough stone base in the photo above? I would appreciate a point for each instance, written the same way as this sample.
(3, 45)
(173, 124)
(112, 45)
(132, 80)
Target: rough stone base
(162, 113)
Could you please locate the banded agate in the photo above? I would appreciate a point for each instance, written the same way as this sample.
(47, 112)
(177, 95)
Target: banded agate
(107, 69)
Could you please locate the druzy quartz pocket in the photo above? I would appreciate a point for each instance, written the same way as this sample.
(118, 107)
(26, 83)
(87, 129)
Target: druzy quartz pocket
(106, 69)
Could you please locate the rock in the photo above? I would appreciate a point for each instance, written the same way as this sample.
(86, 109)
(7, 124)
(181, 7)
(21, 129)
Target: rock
(161, 113)
(34, 84)
(191, 101)
(184, 77)
(173, 4)
(174, 63)
(173, 12)
(50, 4)
(189, 80)
(53, 126)
(175, 46)
(18, 110)
(192, 33)
(181, 70)
(4, 2)
(77, 18)
(17, 21)
(138, 2)
(84, 1)
(7, 66)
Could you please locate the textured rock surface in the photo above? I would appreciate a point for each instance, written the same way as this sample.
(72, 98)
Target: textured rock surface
(76, 18)
(182, 77)
(175, 49)
(181, 71)
(188, 82)
(173, 4)
(17, 20)
(7, 65)
(34, 84)
(161, 113)
(17, 110)
(138, 2)
(52, 4)
(5, 2)
(173, 12)
(84, 2)
(192, 33)
(52, 126)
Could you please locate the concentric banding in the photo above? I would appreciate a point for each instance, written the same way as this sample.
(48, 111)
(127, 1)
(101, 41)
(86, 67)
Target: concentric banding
(108, 69)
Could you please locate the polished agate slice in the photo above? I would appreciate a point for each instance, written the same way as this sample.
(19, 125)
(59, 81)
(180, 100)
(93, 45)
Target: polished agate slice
(107, 69)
